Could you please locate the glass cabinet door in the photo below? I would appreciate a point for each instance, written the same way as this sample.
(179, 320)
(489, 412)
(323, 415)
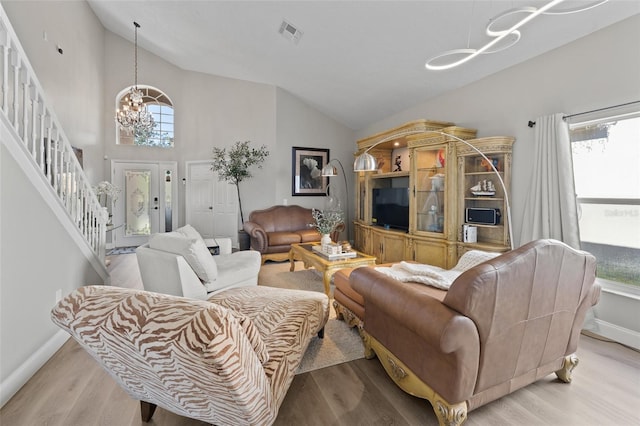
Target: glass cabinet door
(430, 182)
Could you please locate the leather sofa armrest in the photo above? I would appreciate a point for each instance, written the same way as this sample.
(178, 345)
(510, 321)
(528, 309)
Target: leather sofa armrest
(425, 315)
(259, 240)
(451, 340)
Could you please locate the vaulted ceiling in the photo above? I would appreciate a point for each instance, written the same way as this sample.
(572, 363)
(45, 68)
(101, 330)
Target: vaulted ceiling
(356, 61)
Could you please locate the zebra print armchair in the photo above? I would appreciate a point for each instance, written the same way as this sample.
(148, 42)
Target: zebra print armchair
(227, 361)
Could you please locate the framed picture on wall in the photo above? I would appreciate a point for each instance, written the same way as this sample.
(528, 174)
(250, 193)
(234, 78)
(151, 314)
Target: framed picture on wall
(307, 164)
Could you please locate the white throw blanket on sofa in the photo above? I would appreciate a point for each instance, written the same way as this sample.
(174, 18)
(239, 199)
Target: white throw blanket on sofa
(433, 275)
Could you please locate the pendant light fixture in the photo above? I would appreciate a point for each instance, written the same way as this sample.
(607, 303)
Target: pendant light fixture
(511, 35)
(133, 116)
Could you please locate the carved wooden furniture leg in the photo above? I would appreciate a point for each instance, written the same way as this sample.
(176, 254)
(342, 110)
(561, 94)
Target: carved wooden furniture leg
(345, 314)
(292, 261)
(570, 362)
(369, 353)
(326, 281)
(448, 414)
(146, 410)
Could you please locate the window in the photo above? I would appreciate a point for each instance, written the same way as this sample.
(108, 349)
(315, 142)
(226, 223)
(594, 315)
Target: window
(606, 162)
(161, 108)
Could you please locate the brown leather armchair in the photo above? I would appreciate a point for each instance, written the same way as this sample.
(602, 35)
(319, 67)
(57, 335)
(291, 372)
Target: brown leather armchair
(273, 230)
(502, 325)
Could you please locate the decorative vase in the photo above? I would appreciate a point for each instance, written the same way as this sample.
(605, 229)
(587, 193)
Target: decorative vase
(325, 240)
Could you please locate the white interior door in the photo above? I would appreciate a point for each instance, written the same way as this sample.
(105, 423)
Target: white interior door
(211, 205)
(147, 203)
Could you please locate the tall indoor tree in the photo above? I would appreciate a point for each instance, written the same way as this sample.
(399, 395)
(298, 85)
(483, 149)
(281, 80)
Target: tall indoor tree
(233, 164)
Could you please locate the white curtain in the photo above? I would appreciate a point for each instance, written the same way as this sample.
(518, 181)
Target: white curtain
(551, 207)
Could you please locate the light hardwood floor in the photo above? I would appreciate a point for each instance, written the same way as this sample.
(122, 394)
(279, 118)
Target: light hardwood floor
(72, 390)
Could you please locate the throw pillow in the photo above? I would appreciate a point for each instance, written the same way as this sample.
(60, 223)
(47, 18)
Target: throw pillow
(189, 232)
(193, 250)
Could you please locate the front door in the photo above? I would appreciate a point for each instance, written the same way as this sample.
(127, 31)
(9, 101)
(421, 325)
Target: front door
(147, 202)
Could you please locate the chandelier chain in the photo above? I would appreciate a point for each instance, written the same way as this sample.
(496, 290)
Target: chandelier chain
(135, 55)
(134, 117)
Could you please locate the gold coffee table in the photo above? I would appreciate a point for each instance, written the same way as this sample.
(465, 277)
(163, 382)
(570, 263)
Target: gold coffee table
(305, 253)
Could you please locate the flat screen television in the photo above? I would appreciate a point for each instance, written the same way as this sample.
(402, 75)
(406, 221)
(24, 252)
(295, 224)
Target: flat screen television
(391, 208)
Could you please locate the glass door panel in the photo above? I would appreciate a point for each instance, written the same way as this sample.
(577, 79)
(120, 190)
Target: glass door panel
(137, 203)
(430, 190)
(137, 212)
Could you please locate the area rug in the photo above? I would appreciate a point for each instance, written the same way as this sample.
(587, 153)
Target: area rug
(121, 250)
(341, 343)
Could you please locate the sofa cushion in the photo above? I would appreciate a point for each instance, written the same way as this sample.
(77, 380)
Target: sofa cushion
(286, 320)
(235, 270)
(193, 250)
(283, 238)
(189, 232)
(341, 281)
(308, 235)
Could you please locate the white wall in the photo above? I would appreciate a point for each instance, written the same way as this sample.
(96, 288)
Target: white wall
(72, 81)
(38, 258)
(298, 124)
(217, 111)
(209, 111)
(596, 71)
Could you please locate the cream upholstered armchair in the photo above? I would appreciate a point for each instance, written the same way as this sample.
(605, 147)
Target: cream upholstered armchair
(226, 361)
(179, 263)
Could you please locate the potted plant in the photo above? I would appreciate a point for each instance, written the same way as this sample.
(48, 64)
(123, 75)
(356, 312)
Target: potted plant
(232, 165)
(326, 222)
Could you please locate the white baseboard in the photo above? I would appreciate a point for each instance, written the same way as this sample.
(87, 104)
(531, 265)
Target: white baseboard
(24, 372)
(619, 334)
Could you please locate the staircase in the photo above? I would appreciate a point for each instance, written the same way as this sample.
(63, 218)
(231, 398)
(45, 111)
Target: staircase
(33, 135)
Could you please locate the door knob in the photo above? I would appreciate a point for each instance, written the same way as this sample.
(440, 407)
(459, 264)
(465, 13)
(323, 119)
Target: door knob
(210, 207)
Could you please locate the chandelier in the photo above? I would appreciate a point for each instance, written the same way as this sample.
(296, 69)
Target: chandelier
(133, 115)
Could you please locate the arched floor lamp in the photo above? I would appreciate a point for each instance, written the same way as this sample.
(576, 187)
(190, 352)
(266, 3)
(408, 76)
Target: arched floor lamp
(330, 171)
(366, 162)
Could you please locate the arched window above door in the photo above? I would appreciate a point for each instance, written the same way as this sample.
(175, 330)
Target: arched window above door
(161, 108)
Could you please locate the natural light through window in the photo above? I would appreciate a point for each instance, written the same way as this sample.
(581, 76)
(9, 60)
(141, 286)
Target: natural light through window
(606, 161)
(162, 133)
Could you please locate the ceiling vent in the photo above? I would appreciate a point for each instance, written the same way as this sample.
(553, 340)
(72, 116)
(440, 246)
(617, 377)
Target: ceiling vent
(290, 32)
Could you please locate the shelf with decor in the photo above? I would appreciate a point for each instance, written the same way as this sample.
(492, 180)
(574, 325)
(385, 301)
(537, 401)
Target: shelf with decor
(483, 211)
(424, 190)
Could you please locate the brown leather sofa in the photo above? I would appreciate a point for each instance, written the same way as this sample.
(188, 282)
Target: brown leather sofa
(273, 230)
(502, 325)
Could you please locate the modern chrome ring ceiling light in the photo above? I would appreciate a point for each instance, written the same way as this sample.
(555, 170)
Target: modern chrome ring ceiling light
(511, 35)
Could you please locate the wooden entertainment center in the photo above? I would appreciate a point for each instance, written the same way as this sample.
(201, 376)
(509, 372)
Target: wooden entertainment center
(444, 177)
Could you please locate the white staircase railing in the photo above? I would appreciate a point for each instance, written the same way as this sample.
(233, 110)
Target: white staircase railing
(24, 107)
